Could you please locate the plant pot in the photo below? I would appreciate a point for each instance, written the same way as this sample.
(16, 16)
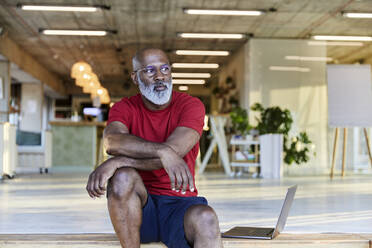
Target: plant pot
(271, 156)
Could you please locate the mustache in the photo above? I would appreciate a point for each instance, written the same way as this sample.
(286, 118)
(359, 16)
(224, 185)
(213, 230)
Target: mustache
(161, 84)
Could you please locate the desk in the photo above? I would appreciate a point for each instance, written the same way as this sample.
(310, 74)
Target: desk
(76, 143)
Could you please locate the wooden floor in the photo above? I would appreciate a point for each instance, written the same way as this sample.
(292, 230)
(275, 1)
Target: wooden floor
(109, 240)
(58, 203)
(54, 210)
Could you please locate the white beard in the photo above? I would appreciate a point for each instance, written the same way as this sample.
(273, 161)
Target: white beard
(154, 96)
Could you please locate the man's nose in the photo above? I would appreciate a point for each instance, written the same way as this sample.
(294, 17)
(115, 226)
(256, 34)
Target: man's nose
(159, 76)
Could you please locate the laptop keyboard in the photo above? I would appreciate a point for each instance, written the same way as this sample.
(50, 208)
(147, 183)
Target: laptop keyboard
(261, 232)
(249, 232)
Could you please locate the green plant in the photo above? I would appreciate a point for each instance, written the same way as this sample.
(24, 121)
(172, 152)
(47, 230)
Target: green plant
(239, 120)
(297, 151)
(276, 120)
(273, 119)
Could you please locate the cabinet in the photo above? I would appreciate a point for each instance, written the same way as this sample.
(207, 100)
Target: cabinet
(8, 149)
(36, 157)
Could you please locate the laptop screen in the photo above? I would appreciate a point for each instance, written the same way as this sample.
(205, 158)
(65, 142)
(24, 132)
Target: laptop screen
(285, 210)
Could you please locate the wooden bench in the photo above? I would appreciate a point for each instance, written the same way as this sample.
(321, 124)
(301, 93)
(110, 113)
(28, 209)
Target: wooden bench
(329, 240)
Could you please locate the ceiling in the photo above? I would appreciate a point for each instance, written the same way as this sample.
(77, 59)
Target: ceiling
(141, 23)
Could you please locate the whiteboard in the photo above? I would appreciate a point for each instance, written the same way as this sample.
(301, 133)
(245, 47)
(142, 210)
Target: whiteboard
(349, 95)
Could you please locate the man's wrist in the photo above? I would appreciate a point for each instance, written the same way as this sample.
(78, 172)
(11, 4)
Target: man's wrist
(164, 150)
(118, 161)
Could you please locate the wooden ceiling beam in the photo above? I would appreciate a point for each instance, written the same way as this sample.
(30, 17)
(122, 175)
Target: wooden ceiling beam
(26, 62)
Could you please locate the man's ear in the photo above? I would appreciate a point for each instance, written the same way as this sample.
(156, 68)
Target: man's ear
(133, 75)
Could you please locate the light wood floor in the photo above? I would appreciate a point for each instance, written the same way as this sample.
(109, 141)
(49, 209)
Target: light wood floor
(58, 204)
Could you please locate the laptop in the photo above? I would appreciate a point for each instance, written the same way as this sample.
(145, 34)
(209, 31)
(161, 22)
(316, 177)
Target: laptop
(264, 233)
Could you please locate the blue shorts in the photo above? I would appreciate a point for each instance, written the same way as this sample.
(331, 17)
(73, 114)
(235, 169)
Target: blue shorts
(162, 219)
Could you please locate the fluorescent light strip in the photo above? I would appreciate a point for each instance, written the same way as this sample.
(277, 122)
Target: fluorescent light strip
(195, 65)
(58, 8)
(223, 12)
(304, 58)
(334, 43)
(75, 32)
(183, 88)
(357, 15)
(202, 52)
(289, 68)
(346, 38)
(188, 81)
(211, 36)
(190, 75)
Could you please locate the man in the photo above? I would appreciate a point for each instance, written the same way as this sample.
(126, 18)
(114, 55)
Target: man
(154, 138)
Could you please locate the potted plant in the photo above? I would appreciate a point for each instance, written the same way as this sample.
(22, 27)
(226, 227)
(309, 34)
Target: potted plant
(273, 119)
(239, 120)
(297, 150)
(274, 125)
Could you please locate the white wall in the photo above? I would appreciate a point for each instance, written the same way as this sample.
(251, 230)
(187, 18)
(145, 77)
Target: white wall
(235, 68)
(303, 93)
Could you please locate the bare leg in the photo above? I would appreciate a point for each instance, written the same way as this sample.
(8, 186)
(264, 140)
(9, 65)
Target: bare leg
(202, 227)
(126, 195)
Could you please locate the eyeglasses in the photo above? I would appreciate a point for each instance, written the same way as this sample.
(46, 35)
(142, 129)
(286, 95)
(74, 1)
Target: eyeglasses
(151, 70)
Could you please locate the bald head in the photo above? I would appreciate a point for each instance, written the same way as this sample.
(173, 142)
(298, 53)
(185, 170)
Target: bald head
(139, 58)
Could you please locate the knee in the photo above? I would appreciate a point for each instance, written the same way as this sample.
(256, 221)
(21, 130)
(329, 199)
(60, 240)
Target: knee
(122, 183)
(204, 220)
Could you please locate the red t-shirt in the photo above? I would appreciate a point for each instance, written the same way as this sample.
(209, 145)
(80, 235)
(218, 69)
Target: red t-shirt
(156, 126)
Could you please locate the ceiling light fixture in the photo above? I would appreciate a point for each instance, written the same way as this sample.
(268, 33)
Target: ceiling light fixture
(211, 36)
(183, 88)
(356, 15)
(305, 58)
(75, 32)
(202, 52)
(62, 8)
(289, 68)
(190, 75)
(334, 43)
(188, 81)
(345, 38)
(195, 65)
(223, 12)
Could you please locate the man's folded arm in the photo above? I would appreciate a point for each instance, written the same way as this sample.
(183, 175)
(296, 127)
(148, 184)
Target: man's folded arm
(134, 152)
(147, 164)
(119, 142)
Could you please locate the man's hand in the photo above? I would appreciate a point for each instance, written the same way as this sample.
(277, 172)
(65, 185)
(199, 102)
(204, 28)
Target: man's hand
(97, 181)
(177, 170)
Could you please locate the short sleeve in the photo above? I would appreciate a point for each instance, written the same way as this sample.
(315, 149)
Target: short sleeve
(121, 111)
(192, 115)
